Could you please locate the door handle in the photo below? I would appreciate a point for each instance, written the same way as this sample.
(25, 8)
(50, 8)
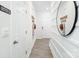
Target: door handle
(15, 42)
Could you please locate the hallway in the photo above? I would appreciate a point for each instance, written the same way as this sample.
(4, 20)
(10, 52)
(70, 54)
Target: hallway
(41, 49)
(39, 29)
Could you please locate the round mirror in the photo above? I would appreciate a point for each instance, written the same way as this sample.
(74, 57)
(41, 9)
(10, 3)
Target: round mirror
(66, 17)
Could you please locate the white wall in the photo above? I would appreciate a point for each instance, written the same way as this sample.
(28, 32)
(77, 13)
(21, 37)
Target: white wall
(44, 20)
(4, 31)
(16, 27)
(65, 46)
(21, 29)
(39, 28)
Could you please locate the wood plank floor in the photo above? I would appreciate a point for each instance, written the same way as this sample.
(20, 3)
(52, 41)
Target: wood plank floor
(41, 49)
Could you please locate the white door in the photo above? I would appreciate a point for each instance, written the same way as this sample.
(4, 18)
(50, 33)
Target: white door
(19, 34)
(4, 34)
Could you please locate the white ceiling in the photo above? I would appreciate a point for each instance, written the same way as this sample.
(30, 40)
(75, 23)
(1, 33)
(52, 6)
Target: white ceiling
(41, 6)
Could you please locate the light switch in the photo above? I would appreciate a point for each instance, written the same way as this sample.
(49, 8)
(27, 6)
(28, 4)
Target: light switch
(26, 31)
(26, 52)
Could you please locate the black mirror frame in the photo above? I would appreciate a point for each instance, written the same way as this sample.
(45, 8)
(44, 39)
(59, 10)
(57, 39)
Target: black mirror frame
(76, 16)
